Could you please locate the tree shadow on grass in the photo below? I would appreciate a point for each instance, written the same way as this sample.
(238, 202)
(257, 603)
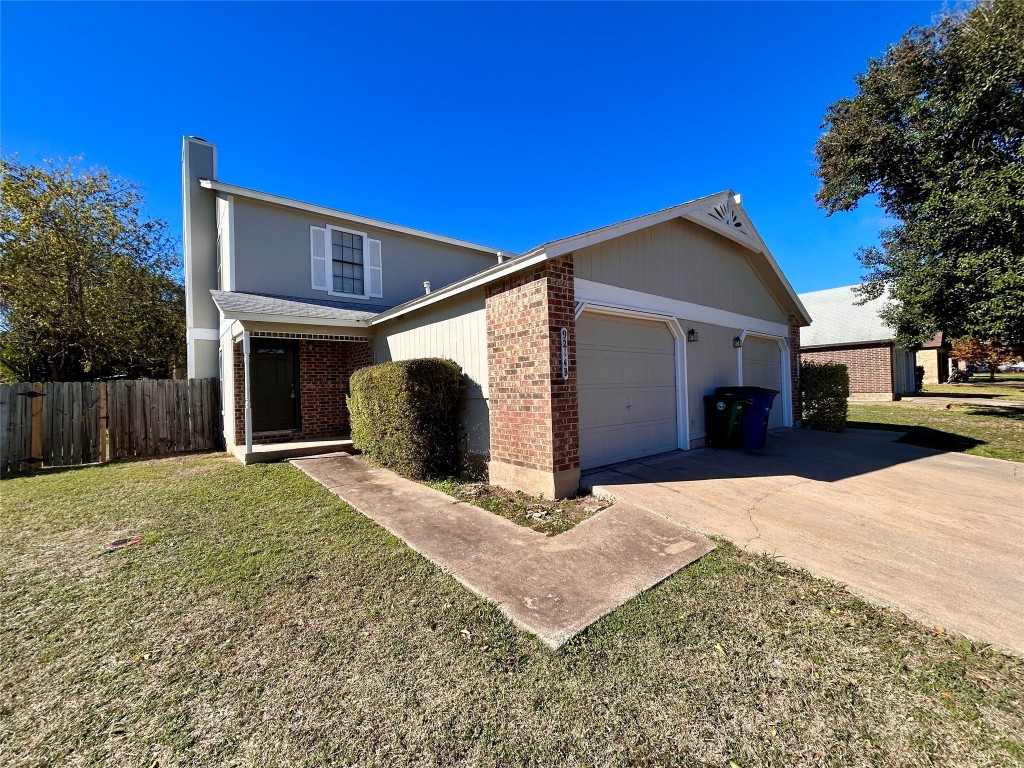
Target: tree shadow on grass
(995, 411)
(924, 437)
(48, 470)
(966, 394)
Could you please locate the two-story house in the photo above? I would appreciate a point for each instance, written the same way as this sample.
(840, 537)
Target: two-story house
(582, 352)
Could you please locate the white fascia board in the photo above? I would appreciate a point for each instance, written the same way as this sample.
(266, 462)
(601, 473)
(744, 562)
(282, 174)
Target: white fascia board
(466, 284)
(256, 317)
(595, 236)
(612, 296)
(321, 210)
(805, 315)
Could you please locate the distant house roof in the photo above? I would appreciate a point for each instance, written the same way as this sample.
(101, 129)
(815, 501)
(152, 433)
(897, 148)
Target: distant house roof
(248, 306)
(839, 319)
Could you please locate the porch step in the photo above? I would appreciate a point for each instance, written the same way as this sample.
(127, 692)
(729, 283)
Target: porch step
(279, 451)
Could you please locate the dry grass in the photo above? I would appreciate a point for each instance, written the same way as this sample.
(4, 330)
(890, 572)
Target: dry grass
(264, 622)
(544, 515)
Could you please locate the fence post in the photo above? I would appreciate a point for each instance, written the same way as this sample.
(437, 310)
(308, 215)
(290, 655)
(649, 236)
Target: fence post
(104, 432)
(36, 447)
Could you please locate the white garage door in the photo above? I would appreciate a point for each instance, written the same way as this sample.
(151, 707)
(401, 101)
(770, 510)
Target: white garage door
(627, 389)
(762, 367)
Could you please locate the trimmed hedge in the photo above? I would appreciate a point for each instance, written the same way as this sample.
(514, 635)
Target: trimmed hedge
(405, 416)
(824, 392)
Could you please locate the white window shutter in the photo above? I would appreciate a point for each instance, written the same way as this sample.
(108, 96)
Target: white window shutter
(318, 257)
(374, 269)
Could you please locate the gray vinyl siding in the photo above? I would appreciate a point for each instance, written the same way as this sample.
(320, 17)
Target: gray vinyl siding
(685, 261)
(272, 255)
(711, 362)
(455, 329)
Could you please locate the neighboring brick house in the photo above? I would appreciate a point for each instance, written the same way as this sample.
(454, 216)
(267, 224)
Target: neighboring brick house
(582, 352)
(934, 358)
(845, 331)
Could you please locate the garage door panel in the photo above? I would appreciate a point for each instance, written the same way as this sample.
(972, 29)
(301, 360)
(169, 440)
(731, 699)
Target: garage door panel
(627, 389)
(598, 405)
(762, 367)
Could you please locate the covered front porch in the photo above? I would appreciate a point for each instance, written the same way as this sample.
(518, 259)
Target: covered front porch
(286, 365)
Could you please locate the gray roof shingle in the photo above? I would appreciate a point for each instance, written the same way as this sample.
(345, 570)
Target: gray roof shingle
(235, 302)
(838, 319)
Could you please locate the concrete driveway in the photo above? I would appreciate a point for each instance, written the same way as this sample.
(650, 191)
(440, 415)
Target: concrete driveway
(939, 536)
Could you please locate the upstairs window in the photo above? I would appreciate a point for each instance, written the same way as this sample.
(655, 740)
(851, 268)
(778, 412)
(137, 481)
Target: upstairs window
(347, 263)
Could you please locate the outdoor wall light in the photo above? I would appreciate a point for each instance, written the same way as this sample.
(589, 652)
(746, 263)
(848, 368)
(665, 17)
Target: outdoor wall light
(737, 342)
(691, 335)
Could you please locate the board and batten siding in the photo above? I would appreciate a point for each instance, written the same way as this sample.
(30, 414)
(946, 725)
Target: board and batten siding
(455, 329)
(681, 260)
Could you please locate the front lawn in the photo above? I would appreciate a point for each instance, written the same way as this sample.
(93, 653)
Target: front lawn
(261, 621)
(981, 430)
(1007, 386)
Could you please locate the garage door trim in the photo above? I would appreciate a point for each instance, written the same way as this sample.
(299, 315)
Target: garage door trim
(783, 344)
(679, 339)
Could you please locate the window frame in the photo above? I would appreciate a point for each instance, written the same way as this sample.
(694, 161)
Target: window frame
(329, 266)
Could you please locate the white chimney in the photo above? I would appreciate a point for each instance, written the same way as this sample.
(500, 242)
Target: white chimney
(426, 286)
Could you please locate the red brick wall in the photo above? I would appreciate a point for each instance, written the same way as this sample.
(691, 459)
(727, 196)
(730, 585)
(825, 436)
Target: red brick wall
(794, 368)
(870, 367)
(324, 371)
(534, 412)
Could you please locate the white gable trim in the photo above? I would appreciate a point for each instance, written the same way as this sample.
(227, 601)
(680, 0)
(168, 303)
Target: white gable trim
(595, 236)
(320, 210)
(692, 211)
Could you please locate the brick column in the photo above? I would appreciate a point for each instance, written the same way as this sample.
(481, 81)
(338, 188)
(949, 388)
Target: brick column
(534, 411)
(794, 369)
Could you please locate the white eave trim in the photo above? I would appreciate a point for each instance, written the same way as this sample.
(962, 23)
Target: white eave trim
(321, 210)
(258, 317)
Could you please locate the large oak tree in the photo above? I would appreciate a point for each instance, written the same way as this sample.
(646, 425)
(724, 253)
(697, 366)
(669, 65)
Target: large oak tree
(935, 133)
(87, 282)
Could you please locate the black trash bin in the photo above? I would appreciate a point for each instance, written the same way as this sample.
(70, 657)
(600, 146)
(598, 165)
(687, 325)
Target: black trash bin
(722, 418)
(753, 431)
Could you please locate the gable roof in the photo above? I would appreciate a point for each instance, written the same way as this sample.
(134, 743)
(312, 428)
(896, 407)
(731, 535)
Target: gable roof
(266, 197)
(839, 319)
(721, 212)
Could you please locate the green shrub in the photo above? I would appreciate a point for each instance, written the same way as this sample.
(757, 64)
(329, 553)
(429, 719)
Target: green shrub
(405, 416)
(824, 391)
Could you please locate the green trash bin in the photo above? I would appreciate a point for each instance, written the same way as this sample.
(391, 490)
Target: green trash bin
(722, 417)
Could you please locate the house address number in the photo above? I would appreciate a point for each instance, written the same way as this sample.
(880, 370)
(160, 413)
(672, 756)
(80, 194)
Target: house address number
(564, 337)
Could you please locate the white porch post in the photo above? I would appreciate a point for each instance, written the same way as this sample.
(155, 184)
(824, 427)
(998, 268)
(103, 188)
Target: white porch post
(248, 400)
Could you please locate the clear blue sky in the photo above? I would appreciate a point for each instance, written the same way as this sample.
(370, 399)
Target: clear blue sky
(504, 124)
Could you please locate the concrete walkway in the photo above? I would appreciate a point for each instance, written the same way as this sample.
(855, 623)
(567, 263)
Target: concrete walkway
(551, 586)
(939, 536)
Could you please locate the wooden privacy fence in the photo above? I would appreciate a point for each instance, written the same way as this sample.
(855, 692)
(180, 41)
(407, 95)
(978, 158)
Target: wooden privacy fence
(64, 423)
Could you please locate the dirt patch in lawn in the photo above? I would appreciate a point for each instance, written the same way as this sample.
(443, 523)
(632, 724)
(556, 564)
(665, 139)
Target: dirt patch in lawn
(544, 515)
